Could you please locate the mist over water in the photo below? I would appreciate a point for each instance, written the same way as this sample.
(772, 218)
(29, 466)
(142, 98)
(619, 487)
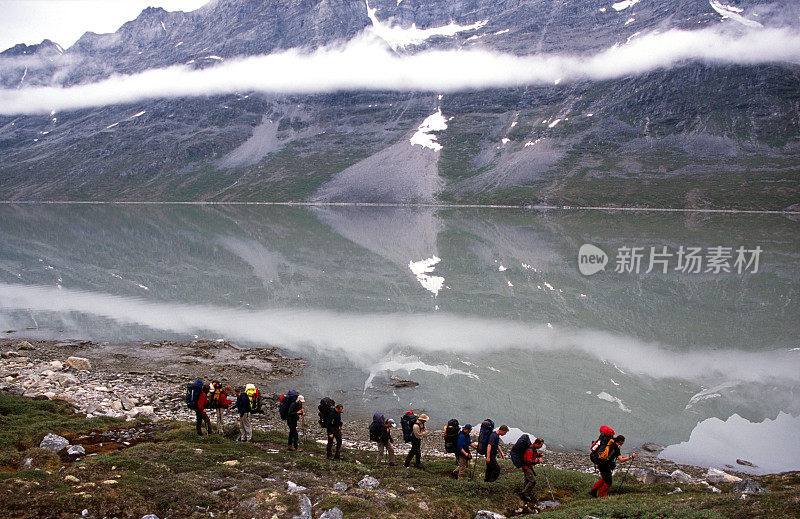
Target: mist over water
(515, 332)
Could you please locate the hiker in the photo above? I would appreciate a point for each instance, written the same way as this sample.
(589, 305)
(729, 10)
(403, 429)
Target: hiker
(532, 457)
(492, 450)
(605, 458)
(220, 402)
(418, 431)
(385, 442)
(463, 455)
(200, 411)
(295, 414)
(334, 428)
(243, 406)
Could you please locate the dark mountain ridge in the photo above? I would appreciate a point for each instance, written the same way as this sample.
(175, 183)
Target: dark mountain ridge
(696, 135)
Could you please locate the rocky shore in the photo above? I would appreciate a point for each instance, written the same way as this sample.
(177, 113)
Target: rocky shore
(148, 379)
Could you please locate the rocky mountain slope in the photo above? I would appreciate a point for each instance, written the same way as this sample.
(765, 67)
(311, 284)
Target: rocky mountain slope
(696, 134)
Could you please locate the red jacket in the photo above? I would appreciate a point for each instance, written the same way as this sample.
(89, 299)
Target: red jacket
(202, 401)
(223, 400)
(531, 458)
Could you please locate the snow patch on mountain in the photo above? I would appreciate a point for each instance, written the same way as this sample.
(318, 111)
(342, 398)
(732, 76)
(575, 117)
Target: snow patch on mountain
(435, 122)
(399, 38)
(732, 13)
(422, 270)
(621, 6)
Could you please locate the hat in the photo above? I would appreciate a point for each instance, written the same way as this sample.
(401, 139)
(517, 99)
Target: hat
(423, 417)
(301, 399)
(391, 422)
(468, 426)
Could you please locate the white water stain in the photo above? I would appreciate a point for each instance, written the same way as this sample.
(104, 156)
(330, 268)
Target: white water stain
(422, 270)
(409, 364)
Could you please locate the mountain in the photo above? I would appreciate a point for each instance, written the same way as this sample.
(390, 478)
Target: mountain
(691, 134)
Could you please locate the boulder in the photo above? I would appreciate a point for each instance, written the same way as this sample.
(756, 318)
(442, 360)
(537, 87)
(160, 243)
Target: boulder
(110, 482)
(54, 442)
(368, 483)
(65, 379)
(145, 410)
(305, 508)
(709, 486)
(127, 403)
(76, 450)
(746, 463)
(333, 513)
(652, 447)
(293, 487)
(748, 486)
(78, 363)
(720, 476)
(150, 516)
(681, 476)
(57, 365)
(24, 345)
(230, 463)
(71, 478)
(650, 476)
(340, 486)
(487, 514)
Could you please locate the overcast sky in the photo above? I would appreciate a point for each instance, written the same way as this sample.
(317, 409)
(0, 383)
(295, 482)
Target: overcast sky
(64, 21)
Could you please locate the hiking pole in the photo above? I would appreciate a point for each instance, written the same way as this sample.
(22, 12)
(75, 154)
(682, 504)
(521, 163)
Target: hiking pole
(619, 488)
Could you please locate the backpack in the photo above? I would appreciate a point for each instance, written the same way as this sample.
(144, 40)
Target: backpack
(487, 428)
(517, 453)
(407, 424)
(287, 400)
(255, 398)
(215, 396)
(451, 436)
(378, 422)
(601, 448)
(193, 390)
(324, 409)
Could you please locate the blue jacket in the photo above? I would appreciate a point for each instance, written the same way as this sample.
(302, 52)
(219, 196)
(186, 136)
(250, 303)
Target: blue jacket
(463, 443)
(242, 404)
(334, 421)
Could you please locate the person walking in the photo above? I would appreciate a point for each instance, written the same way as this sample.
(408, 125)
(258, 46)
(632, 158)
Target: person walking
(385, 442)
(492, 450)
(334, 430)
(463, 455)
(296, 413)
(532, 457)
(418, 432)
(243, 406)
(200, 411)
(220, 404)
(606, 463)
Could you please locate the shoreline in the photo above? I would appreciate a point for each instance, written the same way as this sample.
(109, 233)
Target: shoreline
(148, 379)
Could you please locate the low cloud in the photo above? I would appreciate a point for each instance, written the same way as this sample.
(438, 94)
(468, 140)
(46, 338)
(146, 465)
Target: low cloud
(366, 63)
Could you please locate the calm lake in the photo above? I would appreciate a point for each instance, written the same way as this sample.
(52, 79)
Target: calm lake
(486, 308)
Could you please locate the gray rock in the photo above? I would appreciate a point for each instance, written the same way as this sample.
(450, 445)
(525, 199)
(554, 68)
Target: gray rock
(333, 513)
(79, 363)
(54, 442)
(85, 512)
(589, 517)
(150, 516)
(650, 476)
(720, 476)
(65, 379)
(652, 447)
(76, 450)
(305, 508)
(487, 514)
(368, 483)
(748, 486)
(24, 345)
(127, 403)
(681, 476)
(746, 463)
(546, 504)
(293, 487)
(340, 486)
(57, 365)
